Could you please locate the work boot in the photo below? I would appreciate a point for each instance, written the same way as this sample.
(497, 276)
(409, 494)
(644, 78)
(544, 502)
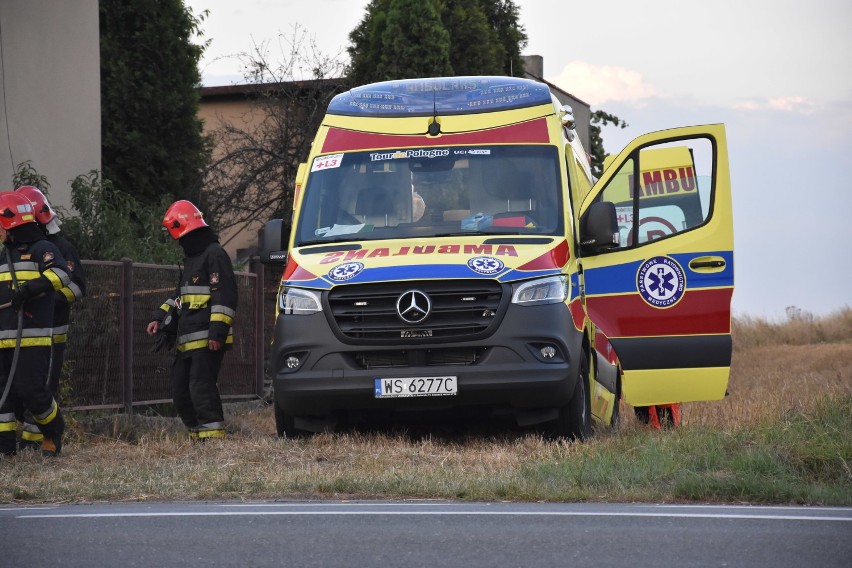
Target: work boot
(51, 446)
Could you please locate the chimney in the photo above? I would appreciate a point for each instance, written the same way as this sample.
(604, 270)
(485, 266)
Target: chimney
(534, 65)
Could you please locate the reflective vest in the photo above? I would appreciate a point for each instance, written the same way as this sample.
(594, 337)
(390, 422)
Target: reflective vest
(206, 300)
(42, 267)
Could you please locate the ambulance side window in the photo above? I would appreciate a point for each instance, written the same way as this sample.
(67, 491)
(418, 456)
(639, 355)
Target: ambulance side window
(668, 185)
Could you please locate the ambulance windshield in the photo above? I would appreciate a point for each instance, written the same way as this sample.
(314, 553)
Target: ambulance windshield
(430, 192)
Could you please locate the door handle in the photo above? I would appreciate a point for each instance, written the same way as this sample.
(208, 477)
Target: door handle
(707, 264)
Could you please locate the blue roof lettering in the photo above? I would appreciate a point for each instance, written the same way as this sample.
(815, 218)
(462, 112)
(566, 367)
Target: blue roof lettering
(441, 96)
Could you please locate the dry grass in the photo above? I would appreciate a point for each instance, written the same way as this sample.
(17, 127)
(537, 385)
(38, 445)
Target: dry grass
(781, 366)
(777, 369)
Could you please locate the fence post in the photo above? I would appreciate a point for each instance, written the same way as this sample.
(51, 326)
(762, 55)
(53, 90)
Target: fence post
(125, 341)
(259, 324)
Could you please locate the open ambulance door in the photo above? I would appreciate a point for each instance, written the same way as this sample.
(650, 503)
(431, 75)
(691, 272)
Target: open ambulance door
(656, 242)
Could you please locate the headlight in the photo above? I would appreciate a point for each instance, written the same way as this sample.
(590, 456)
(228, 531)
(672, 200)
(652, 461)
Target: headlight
(551, 290)
(299, 301)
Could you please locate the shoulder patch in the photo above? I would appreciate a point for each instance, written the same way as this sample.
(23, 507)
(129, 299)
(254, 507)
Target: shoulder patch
(70, 265)
(48, 257)
(214, 278)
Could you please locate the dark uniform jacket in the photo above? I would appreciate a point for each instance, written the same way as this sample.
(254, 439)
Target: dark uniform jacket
(41, 268)
(206, 300)
(73, 292)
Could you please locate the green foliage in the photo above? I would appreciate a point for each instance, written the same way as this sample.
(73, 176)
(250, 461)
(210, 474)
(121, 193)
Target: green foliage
(400, 39)
(504, 18)
(473, 49)
(112, 224)
(415, 42)
(596, 149)
(152, 141)
(26, 174)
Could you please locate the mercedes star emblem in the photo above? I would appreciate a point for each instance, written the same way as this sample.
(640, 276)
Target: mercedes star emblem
(413, 306)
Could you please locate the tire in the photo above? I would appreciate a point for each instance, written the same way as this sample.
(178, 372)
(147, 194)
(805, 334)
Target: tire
(285, 424)
(615, 421)
(575, 418)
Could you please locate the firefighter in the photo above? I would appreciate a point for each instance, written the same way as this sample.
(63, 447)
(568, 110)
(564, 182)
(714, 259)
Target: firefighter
(206, 302)
(75, 290)
(31, 271)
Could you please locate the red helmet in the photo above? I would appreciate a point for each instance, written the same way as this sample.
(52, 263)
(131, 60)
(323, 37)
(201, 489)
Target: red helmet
(181, 218)
(44, 213)
(15, 210)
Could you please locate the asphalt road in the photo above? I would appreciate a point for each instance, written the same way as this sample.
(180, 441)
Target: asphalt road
(422, 533)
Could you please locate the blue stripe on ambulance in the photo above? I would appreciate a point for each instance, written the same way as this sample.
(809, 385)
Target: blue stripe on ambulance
(621, 278)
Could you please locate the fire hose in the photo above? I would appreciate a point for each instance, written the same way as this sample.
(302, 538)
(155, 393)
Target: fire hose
(14, 364)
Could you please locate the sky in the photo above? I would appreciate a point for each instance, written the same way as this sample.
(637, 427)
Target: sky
(777, 73)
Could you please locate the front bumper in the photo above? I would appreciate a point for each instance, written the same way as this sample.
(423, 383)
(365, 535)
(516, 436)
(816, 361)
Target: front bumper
(509, 372)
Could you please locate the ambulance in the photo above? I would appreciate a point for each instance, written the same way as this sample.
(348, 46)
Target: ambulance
(451, 253)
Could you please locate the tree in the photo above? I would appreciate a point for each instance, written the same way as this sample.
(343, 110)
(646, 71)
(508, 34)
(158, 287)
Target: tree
(414, 41)
(474, 46)
(112, 224)
(399, 39)
(509, 34)
(152, 140)
(252, 177)
(107, 223)
(596, 149)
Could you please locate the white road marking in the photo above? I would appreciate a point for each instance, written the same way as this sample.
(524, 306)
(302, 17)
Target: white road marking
(440, 513)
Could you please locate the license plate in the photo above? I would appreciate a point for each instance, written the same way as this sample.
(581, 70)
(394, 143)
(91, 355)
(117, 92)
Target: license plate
(415, 386)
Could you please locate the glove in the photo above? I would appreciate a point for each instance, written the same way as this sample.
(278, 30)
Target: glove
(22, 294)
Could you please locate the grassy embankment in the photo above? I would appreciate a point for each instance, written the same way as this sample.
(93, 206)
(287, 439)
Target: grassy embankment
(784, 435)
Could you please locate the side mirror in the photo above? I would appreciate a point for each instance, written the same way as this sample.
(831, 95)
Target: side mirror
(599, 228)
(273, 249)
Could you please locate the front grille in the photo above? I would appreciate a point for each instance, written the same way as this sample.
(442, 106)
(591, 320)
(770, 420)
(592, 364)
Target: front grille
(419, 358)
(461, 309)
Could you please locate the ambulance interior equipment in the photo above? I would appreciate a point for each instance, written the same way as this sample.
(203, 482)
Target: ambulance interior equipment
(488, 189)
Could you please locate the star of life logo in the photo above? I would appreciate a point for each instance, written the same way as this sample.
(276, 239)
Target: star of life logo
(485, 265)
(661, 282)
(343, 272)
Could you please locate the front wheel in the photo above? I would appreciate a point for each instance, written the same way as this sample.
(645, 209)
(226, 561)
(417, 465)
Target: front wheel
(575, 418)
(285, 425)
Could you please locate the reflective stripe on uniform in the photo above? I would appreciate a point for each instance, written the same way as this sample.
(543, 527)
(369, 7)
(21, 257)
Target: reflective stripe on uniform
(191, 341)
(60, 334)
(223, 314)
(195, 301)
(58, 277)
(32, 436)
(20, 266)
(21, 275)
(27, 342)
(72, 292)
(7, 422)
(48, 415)
(30, 337)
(27, 332)
(191, 290)
(212, 430)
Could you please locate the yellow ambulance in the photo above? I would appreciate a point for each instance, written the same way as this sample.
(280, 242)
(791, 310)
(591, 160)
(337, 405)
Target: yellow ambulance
(451, 252)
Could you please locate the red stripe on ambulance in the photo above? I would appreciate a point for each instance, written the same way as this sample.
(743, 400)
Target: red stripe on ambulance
(698, 312)
(531, 132)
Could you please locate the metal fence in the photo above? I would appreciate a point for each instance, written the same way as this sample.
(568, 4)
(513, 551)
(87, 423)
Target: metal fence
(109, 361)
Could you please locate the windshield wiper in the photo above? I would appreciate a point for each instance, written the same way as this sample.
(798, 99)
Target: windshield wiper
(341, 239)
(476, 233)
